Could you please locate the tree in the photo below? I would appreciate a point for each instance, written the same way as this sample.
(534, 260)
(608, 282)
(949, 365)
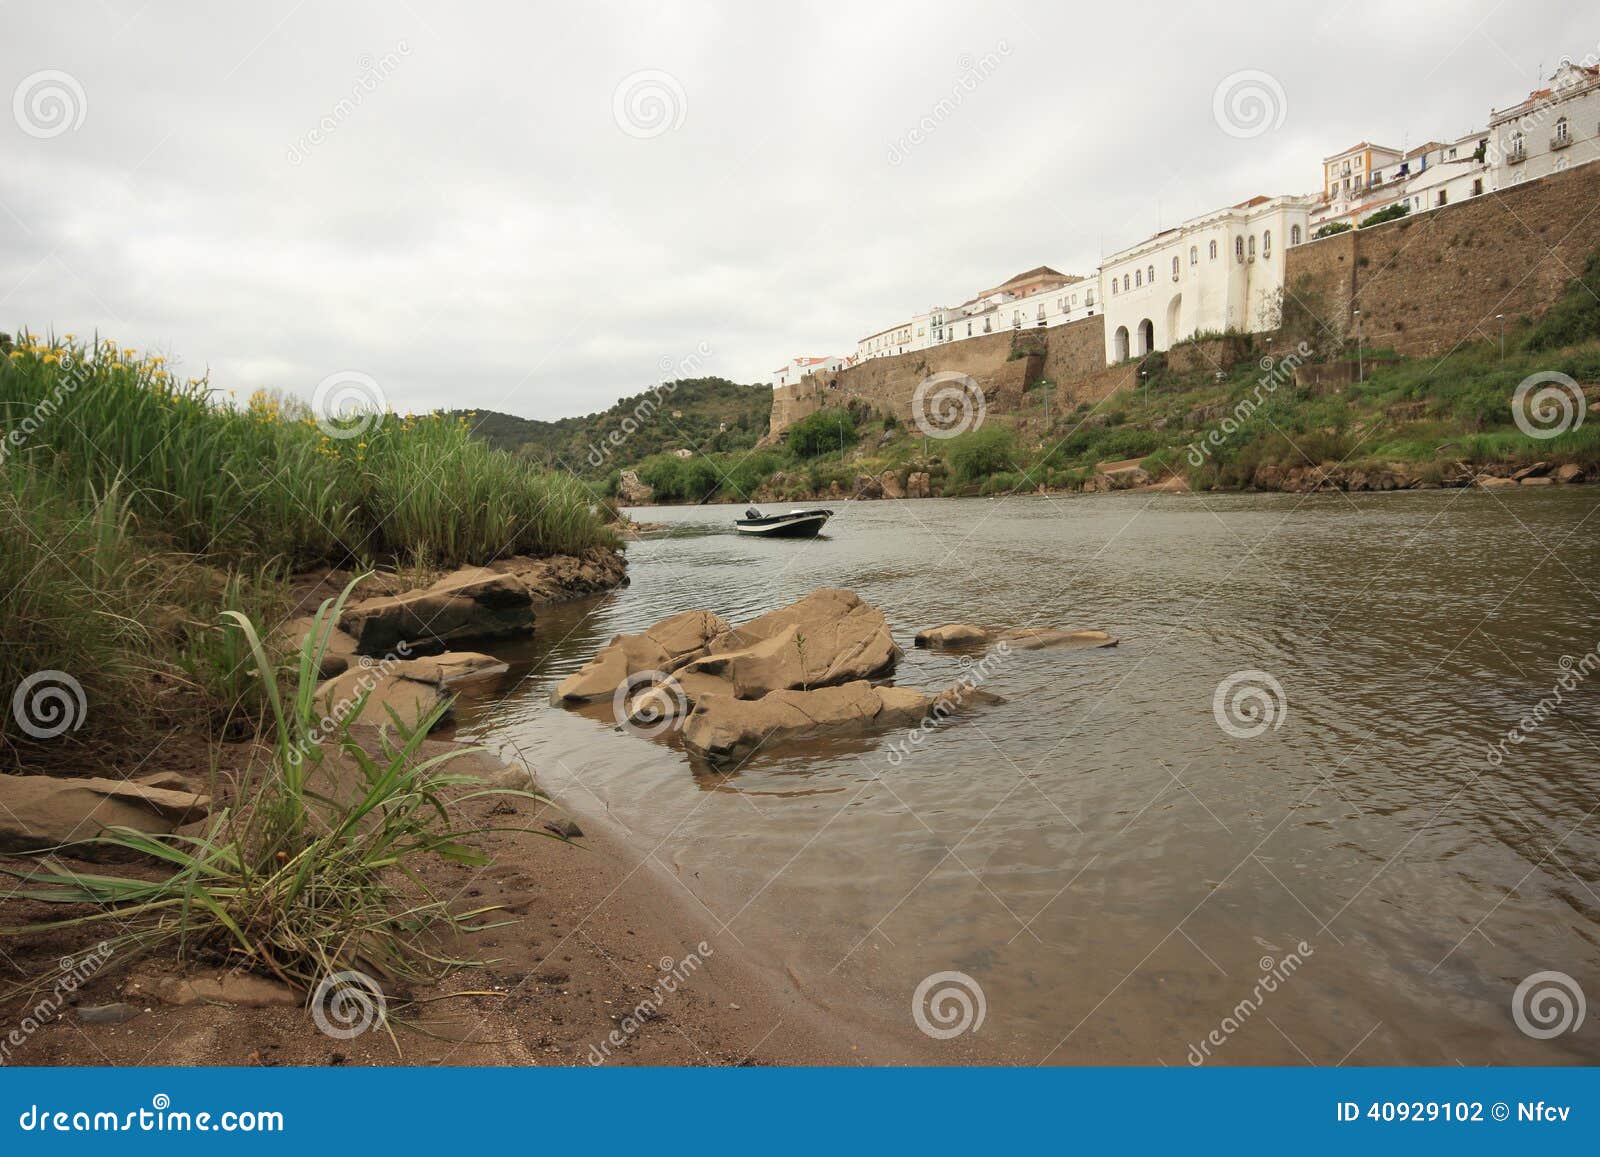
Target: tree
(977, 455)
(1393, 213)
(827, 429)
(1333, 227)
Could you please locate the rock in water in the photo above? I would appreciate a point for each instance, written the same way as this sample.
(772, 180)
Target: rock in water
(956, 635)
(663, 647)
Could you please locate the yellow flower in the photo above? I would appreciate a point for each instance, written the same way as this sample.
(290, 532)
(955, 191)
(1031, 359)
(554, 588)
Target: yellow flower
(17, 353)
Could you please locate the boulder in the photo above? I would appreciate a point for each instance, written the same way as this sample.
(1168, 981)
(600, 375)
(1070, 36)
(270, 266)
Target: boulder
(1537, 480)
(1571, 472)
(952, 635)
(919, 484)
(868, 487)
(664, 647)
(828, 637)
(633, 492)
(451, 669)
(1127, 477)
(721, 728)
(1537, 470)
(410, 699)
(474, 603)
(38, 812)
(237, 988)
(890, 481)
(336, 655)
(1490, 482)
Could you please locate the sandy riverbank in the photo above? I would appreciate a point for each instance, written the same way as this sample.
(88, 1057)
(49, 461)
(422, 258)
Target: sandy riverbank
(577, 968)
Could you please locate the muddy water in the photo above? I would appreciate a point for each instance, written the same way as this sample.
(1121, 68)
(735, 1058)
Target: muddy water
(1124, 879)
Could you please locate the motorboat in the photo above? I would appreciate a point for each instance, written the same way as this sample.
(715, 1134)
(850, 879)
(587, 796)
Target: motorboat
(795, 524)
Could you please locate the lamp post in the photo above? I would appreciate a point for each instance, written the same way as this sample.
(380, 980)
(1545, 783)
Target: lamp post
(1501, 318)
(1144, 380)
(1361, 367)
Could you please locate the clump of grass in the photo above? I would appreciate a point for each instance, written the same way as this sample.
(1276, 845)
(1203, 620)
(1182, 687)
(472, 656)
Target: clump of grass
(312, 872)
(266, 480)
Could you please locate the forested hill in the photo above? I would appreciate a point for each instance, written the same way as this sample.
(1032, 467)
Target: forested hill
(709, 414)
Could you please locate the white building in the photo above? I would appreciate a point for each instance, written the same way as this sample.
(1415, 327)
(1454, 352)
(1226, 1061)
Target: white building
(1039, 297)
(1555, 128)
(794, 369)
(1219, 272)
(885, 343)
(1448, 173)
(1357, 183)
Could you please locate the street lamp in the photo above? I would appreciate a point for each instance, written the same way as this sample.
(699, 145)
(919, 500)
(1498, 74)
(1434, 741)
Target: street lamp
(1144, 380)
(1361, 367)
(1501, 318)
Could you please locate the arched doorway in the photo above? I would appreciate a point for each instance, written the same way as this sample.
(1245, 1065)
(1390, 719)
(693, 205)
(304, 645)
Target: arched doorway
(1174, 316)
(1147, 337)
(1119, 345)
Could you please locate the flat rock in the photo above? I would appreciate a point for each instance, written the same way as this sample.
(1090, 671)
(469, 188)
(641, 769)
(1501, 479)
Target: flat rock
(1537, 480)
(38, 812)
(410, 699)
(1570, 472)
(451, 669)
(119, 1013)
(474, 603)
(953, 635)
(1490, 482)
(238, 988)
(827, 638)
(956, 635)
(662, 647)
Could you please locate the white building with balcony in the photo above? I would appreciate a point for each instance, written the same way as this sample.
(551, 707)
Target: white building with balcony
(794, 369)
(1222, 271)
(1554, 129)
(886, 343)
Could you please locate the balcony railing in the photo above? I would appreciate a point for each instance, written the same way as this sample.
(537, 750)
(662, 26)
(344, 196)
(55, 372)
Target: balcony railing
(1560, 142)
(1517, 155)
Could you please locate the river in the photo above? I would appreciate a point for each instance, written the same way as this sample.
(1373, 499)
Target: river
(1117, 876)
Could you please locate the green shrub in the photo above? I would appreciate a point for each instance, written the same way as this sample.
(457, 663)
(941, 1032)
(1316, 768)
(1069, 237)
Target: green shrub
(979, 453)
(829, 430)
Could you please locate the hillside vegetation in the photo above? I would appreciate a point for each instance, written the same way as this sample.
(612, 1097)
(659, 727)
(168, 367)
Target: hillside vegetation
(705, 414)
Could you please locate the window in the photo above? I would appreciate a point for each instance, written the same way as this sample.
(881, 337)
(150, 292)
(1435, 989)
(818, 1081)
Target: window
(1138, 277)
(1443, 197)
(1125, 283)
(1562, 132)
(1252, 248)
(1213, 251)
(1266, 243)
(1088, 298)
(1194, 255)
(1294, 235)
(1477, 187)
(1113, 287)
(1174, 269)
(1238, 248)
(1150, 275)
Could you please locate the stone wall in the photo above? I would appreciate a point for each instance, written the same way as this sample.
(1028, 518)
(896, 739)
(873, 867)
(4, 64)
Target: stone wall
(1003, 364)
(1427, 283)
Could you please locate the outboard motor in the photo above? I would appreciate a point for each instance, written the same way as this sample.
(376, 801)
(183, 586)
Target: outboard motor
(753, 513)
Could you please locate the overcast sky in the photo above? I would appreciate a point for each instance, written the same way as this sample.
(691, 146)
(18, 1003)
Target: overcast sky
(536, 207)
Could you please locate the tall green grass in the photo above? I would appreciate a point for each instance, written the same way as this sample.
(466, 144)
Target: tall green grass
(263, 480)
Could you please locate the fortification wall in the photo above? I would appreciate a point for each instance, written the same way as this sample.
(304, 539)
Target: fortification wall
(1426, 283)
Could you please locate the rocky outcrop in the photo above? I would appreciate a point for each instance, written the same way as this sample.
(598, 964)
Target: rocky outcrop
(1569, 473)
(407, 688)
(39, 812)
(828, 637)
(954, 636)
(919, 484)
(338, 651)
(633, 492)
(868, 486)
(477, 602)
(721, 727)
(663, 647)
(890, 482)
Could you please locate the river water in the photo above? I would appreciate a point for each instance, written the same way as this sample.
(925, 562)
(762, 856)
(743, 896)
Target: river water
(1119, 877)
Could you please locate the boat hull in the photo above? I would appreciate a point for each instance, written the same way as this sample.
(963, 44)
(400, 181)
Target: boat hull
(806, 525)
